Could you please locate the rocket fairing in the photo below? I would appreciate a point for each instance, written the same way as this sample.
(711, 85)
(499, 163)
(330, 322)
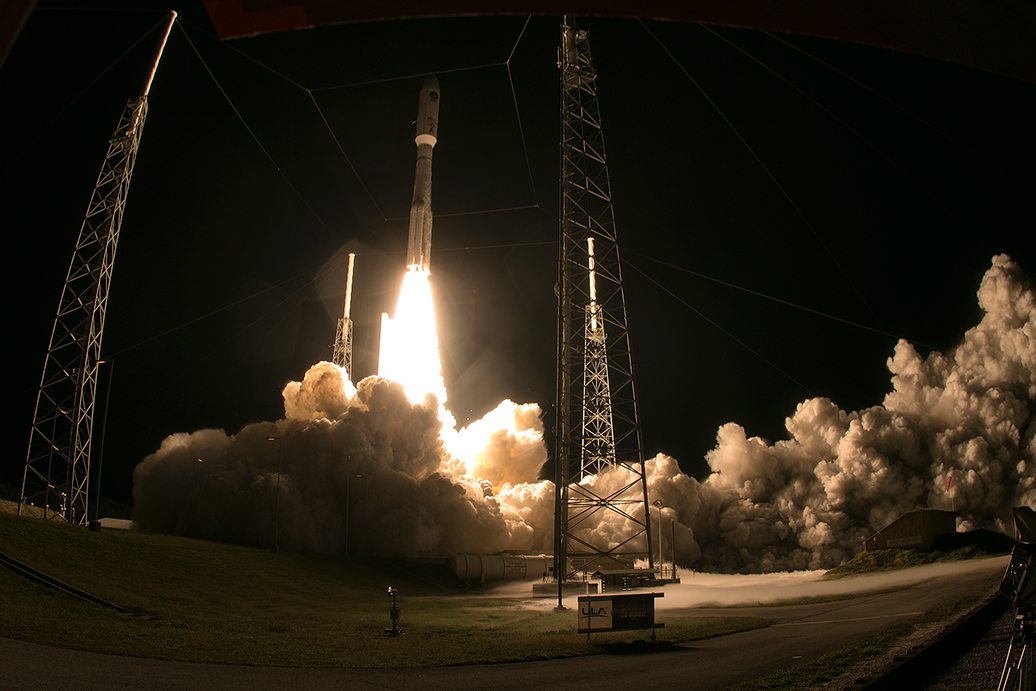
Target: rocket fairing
(419, 244)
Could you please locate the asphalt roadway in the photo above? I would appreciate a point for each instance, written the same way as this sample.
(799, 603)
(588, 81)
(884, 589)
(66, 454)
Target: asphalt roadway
(803, 632)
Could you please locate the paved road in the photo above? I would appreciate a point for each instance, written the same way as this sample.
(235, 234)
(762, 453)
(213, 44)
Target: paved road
(803, 632)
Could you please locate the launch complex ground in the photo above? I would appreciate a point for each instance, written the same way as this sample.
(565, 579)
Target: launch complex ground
(262, 620)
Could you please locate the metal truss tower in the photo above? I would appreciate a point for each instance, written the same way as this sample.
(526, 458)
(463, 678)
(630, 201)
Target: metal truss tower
(598, 438)
(343, 350)
(597, 426)
(57, 464)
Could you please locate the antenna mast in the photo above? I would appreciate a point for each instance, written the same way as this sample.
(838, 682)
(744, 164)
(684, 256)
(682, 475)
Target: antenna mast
(57, 464)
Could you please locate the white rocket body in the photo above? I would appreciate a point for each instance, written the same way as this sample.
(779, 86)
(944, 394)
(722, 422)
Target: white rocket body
(419, 244)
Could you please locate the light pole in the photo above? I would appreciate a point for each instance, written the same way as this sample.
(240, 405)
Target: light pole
(277, 502)
(672, 524)
(661, 562)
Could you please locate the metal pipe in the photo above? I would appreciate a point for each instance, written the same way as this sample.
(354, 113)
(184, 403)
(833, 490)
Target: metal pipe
(593, 284)
(158, 55)
(349, 286)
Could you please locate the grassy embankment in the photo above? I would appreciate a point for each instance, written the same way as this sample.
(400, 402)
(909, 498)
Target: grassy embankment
(221, 603)
(896, 559)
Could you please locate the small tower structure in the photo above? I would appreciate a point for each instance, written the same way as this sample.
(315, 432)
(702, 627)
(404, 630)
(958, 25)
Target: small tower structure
(343, 349)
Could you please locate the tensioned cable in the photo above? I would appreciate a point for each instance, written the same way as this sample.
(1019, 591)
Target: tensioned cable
(924, 190)
(721, 329)
(202, 317)
(493, 247)
(74, 100)
(765, 169)
(814, 101)
(318, 280)
(774, 299)
(410, 76)
(320, 112)
(323, 118)
(328, 272)
(243, 54)
(517, 113)
(311, 91)
(255, 138)
(469, 213)
(888, 100)
(341, 150)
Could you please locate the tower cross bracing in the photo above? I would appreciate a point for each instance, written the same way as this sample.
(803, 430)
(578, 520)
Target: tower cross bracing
(57, 462)
(597, 425)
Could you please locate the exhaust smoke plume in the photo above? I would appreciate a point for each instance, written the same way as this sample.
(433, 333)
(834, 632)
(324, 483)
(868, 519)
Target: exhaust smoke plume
(961, 421)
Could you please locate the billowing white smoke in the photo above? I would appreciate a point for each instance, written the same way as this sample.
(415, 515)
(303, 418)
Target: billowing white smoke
(369, 454)
(802, 503)
(810, 501)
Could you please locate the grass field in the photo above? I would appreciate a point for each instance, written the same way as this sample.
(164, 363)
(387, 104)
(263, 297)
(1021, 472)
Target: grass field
(204, 601)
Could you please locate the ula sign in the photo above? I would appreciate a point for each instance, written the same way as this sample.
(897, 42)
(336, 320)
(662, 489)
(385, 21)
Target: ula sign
(598, 614)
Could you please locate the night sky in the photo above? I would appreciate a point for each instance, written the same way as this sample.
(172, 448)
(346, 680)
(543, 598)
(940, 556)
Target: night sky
(231, 273)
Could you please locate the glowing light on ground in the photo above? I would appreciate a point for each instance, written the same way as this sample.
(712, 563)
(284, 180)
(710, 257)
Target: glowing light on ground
(409, 352)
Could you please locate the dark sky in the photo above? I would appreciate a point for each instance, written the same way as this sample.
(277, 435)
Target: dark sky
(222, 293)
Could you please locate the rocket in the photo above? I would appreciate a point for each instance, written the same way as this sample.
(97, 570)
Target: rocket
(419, 245)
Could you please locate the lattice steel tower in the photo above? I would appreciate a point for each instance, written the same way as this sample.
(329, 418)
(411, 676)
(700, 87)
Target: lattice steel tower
(342, 354)
(57, 464)
(597, 423)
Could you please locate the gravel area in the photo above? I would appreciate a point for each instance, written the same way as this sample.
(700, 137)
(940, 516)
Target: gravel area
(979, 667)
(957, 655)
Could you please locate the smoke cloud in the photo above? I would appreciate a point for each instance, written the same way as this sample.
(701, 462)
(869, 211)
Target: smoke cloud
(956, 432)
(369, 458)
(365, 456)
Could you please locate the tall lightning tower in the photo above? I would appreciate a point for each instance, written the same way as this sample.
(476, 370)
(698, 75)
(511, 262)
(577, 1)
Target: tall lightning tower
(57, 464)
(598, 438)
(343, 350)
(597, 426)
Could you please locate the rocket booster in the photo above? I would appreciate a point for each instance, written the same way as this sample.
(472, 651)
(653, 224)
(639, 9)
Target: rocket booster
(419, 245)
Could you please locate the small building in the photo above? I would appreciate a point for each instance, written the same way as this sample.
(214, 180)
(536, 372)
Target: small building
(914, 530)
(117, 524)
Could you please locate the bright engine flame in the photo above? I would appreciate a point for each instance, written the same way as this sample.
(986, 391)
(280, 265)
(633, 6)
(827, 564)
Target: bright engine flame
(410, 355)
(409, 352)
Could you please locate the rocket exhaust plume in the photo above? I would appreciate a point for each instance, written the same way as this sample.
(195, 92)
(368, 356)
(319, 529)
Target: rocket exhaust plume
(419, 244)
(409, 352)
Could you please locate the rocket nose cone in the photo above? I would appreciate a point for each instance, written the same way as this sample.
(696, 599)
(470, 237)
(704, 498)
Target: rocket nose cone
(428, 112)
